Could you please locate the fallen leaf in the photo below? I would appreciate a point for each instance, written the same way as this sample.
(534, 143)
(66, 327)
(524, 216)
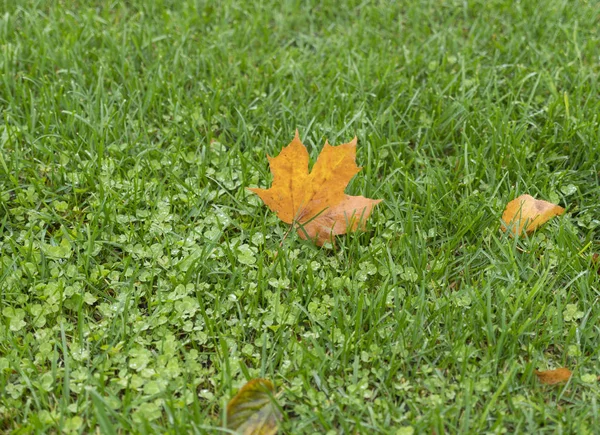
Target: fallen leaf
(526, 210)
(253, 410)
(552, 377)
(315, 203)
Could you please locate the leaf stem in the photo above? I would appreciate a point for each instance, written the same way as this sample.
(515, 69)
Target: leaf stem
(287, 233)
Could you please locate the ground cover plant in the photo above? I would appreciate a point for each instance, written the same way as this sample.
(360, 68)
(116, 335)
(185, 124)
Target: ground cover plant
(142, 285)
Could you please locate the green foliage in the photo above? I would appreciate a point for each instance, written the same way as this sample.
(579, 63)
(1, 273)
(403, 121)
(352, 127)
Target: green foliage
(141, 284)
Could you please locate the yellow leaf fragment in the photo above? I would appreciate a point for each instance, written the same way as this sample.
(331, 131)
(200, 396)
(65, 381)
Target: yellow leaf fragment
(526, 212)
(253, 410)
(315, 202)
(551, 377)
(290, 171)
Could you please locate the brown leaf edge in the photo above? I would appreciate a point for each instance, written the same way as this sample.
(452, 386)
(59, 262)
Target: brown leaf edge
(596, 262)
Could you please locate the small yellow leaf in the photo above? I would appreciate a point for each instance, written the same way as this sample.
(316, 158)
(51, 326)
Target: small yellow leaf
(552, 377)
(253, 410)
(526, 210)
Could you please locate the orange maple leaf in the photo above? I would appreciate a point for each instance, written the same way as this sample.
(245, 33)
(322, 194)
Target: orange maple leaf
(315, 202)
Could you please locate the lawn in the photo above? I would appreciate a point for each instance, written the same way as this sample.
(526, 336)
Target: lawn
(142, 284)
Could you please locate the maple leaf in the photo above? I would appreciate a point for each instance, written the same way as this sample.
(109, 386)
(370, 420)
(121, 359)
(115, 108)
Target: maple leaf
(315, 202)
(527, 210)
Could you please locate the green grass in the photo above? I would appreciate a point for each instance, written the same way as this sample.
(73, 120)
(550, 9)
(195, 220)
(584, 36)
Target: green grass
(141, 284)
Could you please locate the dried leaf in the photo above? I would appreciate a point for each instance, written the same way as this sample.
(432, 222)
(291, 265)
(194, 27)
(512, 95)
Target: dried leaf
(253, 410)
(552, 377)
(315, 202)
(526, 210)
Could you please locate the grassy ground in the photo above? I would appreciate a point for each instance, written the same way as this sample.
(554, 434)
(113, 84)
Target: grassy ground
(142, 285)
